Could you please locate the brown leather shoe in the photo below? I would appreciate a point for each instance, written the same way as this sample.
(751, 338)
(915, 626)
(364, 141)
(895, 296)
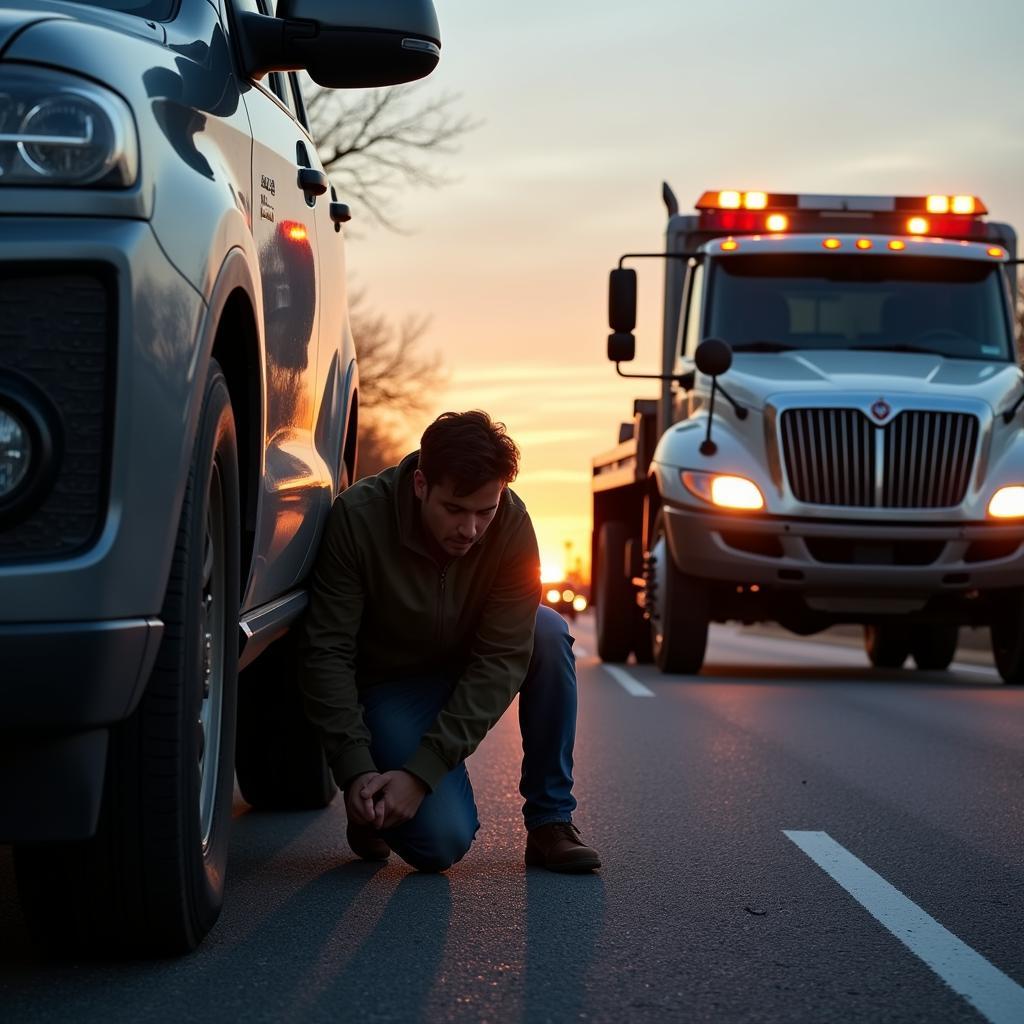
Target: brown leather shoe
(558, 847)
(366, 843)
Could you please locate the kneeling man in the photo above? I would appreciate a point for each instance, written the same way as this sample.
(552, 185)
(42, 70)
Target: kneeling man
(423, 625)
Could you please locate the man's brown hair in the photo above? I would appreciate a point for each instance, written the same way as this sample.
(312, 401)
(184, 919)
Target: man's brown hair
(469, 449)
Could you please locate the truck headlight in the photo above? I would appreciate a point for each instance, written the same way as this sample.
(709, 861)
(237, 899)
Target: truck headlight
(15, 452)
(1007, 503)
(724, 490)
(60, 130)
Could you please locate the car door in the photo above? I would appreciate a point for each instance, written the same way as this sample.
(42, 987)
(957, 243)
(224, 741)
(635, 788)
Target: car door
(284, 228)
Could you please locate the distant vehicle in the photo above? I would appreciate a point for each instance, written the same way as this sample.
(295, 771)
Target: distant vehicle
(864, 462)
(178, 410)
(567, 598)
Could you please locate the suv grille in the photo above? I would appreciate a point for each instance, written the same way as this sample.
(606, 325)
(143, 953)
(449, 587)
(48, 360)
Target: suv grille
(832, 458)
(57, 332)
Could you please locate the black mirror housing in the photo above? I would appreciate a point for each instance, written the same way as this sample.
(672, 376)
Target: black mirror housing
(353, 44)
(622, 301)
(713, 357)
(621, 347)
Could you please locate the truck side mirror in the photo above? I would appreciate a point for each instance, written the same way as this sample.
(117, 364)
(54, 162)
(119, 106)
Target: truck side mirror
(621, 347)
(345, 44)
(622, 301)
(713, 357)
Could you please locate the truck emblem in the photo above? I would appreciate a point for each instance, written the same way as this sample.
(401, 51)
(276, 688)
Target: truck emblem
(881, 409)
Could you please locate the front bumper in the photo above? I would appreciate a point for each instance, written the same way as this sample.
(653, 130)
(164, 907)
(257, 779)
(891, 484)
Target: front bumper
(869, 560)
(114, 565)
(61, 685)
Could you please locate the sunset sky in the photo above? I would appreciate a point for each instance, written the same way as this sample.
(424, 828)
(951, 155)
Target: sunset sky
(587, 107)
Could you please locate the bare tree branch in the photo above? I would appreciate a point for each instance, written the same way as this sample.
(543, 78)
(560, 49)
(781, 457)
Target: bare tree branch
(398, 383)
(376, 142)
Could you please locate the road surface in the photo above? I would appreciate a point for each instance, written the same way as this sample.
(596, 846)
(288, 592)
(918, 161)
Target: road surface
(789, 837)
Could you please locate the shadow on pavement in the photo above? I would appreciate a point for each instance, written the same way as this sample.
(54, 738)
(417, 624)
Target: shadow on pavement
(564, 920)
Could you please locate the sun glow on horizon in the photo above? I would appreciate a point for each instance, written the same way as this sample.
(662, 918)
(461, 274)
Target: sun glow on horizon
(551, 569)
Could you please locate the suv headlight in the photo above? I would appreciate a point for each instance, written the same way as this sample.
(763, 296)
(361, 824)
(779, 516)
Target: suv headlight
(59, 130)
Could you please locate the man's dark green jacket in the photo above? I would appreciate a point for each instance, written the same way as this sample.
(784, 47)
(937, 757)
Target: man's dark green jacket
(383, 608)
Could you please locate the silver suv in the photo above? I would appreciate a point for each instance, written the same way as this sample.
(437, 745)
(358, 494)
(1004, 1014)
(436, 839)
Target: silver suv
(178, 410)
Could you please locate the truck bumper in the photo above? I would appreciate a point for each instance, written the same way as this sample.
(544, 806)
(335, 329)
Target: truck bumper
(62, 685)
(840, 567)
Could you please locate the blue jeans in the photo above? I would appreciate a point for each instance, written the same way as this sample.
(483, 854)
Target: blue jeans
(399, 713)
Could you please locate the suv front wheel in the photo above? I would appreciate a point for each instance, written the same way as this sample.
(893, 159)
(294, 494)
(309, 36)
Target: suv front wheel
(152, 879)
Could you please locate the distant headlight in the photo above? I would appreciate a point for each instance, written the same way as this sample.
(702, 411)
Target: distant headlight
(579, 603)
(724, 490)
(553, 596)
(1007, 503)
(59, 130)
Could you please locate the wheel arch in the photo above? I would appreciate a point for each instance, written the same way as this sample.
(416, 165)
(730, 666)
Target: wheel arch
(234, 340)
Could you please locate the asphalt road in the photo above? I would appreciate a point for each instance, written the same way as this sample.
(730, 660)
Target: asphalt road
(705, 910)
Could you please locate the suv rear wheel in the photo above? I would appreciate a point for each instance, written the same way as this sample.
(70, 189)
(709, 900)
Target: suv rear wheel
(151, 881)
(280, 762)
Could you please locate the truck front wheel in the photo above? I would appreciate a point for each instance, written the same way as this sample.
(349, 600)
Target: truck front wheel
(678, 606)
(1007, 629)
(887, 646)
(933, 646)
(151, 881)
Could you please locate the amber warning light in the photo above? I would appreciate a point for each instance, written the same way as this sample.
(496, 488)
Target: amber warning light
(295, 232)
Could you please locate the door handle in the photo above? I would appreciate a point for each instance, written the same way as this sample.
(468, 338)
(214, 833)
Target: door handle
(312, 181)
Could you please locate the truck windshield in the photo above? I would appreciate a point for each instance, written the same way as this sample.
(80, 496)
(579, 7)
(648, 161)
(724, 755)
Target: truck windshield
(941, 306)
(153, 10)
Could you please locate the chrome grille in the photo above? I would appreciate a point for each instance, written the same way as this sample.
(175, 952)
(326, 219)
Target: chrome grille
(832, 457)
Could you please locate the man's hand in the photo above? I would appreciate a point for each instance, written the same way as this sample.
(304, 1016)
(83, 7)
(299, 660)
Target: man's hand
(396, 797)
(359, 807)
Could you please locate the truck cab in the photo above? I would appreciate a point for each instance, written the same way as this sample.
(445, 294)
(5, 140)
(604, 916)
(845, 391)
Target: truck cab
(837, 438)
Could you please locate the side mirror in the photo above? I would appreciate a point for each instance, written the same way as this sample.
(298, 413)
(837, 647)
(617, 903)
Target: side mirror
(345, 44)
(622, 300)
(621, 347)
(713, 357)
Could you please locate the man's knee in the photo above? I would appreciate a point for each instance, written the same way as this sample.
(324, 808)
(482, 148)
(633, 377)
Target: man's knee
(550, 633)
(438, 847)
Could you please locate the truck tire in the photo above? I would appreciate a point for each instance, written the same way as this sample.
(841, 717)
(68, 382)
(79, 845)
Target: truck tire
(616, 598)
(279, 761)
(933, 646)
(887, 646)
(151, 881)
(678, 606)
(1007, 630)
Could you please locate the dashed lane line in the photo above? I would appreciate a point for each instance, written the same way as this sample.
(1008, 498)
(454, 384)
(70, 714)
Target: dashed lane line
(632, 686)
(994, 995)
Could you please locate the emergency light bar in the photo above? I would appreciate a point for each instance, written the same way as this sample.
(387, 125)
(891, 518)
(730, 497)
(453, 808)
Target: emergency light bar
(945, 216)
(730, 199)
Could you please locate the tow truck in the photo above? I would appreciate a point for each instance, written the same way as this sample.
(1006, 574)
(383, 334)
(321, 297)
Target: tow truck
(838, 435)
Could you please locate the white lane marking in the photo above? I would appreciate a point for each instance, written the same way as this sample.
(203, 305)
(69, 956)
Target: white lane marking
(632, 686)
(969, 974)
(580, 652)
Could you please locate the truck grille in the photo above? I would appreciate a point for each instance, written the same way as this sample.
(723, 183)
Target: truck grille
(832, 458)
(57, 332)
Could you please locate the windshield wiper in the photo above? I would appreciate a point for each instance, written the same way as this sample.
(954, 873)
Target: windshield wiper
(763, 346)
